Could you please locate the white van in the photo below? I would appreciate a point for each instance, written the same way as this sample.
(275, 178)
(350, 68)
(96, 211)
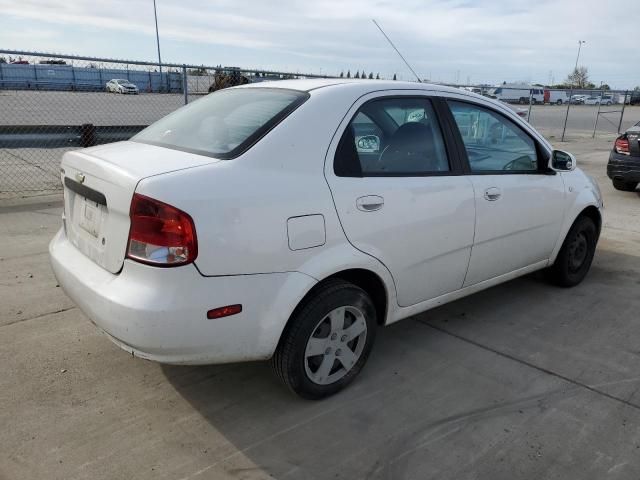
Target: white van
(512, 93)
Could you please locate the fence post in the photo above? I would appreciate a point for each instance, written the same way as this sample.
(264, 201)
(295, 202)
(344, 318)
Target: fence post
(530, 100)
(185, 87)
(595, 125)
(566, 117)
(624, 103)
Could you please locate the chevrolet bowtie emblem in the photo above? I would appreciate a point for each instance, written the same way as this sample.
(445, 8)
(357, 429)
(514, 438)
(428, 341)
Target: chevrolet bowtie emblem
(80, 177)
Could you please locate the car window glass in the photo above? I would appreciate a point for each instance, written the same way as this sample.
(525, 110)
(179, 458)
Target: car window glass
(493, 142)
(220, 123)
(399, 136)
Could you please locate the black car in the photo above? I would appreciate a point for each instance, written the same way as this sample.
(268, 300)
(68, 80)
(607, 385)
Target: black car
(624, 162)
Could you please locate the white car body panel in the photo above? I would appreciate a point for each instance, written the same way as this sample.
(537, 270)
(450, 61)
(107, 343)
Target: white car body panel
(246, 209)
(520, 227)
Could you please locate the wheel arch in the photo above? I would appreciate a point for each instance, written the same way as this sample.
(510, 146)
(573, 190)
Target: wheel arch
(591, 211)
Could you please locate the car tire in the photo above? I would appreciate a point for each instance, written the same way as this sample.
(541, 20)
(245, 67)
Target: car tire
(624, 186)
(559, 102)
(522, 100)
(574, 259)
(326, 317)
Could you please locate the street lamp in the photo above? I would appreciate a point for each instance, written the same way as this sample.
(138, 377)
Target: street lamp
(580, 42)
(155, 13)
(575, 70)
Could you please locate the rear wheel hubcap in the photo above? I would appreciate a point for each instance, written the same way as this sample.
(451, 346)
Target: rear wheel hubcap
(578, 249)
(335, 345)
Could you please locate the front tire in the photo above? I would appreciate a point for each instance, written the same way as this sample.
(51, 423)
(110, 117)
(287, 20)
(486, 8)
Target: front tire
(574, 259)
(327, 340)
(624, 186)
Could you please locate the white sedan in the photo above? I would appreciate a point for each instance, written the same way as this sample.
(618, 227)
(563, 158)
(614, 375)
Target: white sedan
(118, 85)
(288, 221)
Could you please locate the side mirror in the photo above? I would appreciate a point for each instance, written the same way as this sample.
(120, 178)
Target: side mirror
(561, 161)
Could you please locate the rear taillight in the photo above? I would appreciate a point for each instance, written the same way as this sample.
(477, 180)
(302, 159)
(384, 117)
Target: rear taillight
(160, 234)
(622, 146)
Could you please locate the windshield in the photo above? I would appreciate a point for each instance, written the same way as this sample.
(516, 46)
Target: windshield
(223, 124)
(123, 82)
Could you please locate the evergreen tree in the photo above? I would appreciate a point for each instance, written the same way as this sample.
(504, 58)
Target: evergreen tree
(377, 76)
(394, 76)
(348, 73)
(341, 74)
(357, 75)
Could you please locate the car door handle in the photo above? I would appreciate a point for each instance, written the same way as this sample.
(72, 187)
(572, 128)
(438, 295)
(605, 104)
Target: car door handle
(492, 194)
(370, 203)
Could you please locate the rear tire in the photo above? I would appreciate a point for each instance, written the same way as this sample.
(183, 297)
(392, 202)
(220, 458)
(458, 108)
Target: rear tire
(559, 102)
(327, 340)
(574, 259)
(624, 186)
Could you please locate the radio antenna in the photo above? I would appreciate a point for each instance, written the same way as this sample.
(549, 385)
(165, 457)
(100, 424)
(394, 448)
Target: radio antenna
(397, 51)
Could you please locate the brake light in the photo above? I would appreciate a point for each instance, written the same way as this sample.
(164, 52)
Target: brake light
(622, 146)
(160, 234)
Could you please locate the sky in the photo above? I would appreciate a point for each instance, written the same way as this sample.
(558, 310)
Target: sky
(453, 41)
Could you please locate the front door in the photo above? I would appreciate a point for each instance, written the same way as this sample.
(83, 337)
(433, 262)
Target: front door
(401, 199)
(519, 205)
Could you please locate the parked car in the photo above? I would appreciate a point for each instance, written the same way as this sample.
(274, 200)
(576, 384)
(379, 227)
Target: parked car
(515, 93)
(290, 220)
(578, 99)
(634, 97)
(556, 96)
(597, 100)
(624, 160)
(118, 85)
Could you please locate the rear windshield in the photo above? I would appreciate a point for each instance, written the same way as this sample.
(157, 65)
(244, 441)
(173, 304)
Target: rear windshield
(223, 124)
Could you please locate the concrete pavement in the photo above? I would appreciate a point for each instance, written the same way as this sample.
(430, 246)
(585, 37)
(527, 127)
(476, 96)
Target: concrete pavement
(522, 381)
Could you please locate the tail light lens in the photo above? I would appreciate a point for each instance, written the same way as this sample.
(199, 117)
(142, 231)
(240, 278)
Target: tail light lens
(160, 234)
(622, 146)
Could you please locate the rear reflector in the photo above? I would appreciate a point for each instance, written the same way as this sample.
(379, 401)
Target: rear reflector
(622, 146)
(224, 311)
(160, 234)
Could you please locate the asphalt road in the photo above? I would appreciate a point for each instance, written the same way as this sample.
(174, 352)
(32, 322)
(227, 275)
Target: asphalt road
(522, 381)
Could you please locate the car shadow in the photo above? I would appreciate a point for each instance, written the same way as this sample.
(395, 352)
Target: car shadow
(424, 375)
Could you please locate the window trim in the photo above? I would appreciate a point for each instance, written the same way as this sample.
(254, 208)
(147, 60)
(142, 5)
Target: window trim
(437, 107)
(252, 139)
(542, 160)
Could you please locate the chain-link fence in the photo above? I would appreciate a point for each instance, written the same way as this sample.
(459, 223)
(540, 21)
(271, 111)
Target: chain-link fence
(50, 104)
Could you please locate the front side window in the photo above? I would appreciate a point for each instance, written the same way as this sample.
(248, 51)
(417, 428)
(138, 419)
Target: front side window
(395, 136)
(493, 142)
(223, 124)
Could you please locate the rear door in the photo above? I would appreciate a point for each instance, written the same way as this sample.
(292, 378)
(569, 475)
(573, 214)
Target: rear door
(519, 205)
(400, 195)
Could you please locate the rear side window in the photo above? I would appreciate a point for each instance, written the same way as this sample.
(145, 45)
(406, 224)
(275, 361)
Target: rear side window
(493, 143)
(392, 137)
(225, 123)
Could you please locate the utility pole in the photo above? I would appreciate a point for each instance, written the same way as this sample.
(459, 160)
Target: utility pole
(566, 117)
(155, 14)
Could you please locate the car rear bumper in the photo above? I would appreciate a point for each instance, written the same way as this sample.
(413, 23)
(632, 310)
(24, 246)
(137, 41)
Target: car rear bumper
(623, 167)
(160, 314)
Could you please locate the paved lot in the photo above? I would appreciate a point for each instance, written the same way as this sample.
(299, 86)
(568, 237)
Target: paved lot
(523, 381)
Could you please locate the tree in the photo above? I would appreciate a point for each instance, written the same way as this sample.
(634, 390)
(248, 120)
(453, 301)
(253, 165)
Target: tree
(579, 77)
(370, 75)
(605, 86)
(364, 74)
(377, 76)
(394, 76)
(348, 73)
(3, 60)
(341, 74)
(357, 75)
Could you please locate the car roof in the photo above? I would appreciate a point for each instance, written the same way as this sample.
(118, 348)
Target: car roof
(309, 84)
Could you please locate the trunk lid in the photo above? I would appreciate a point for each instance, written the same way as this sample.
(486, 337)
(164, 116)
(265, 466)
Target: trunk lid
(633, 135)
(99, 183)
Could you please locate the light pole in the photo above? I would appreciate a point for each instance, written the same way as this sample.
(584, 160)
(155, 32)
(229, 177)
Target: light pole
(575, 70)
(580, 42)
(155, 14)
